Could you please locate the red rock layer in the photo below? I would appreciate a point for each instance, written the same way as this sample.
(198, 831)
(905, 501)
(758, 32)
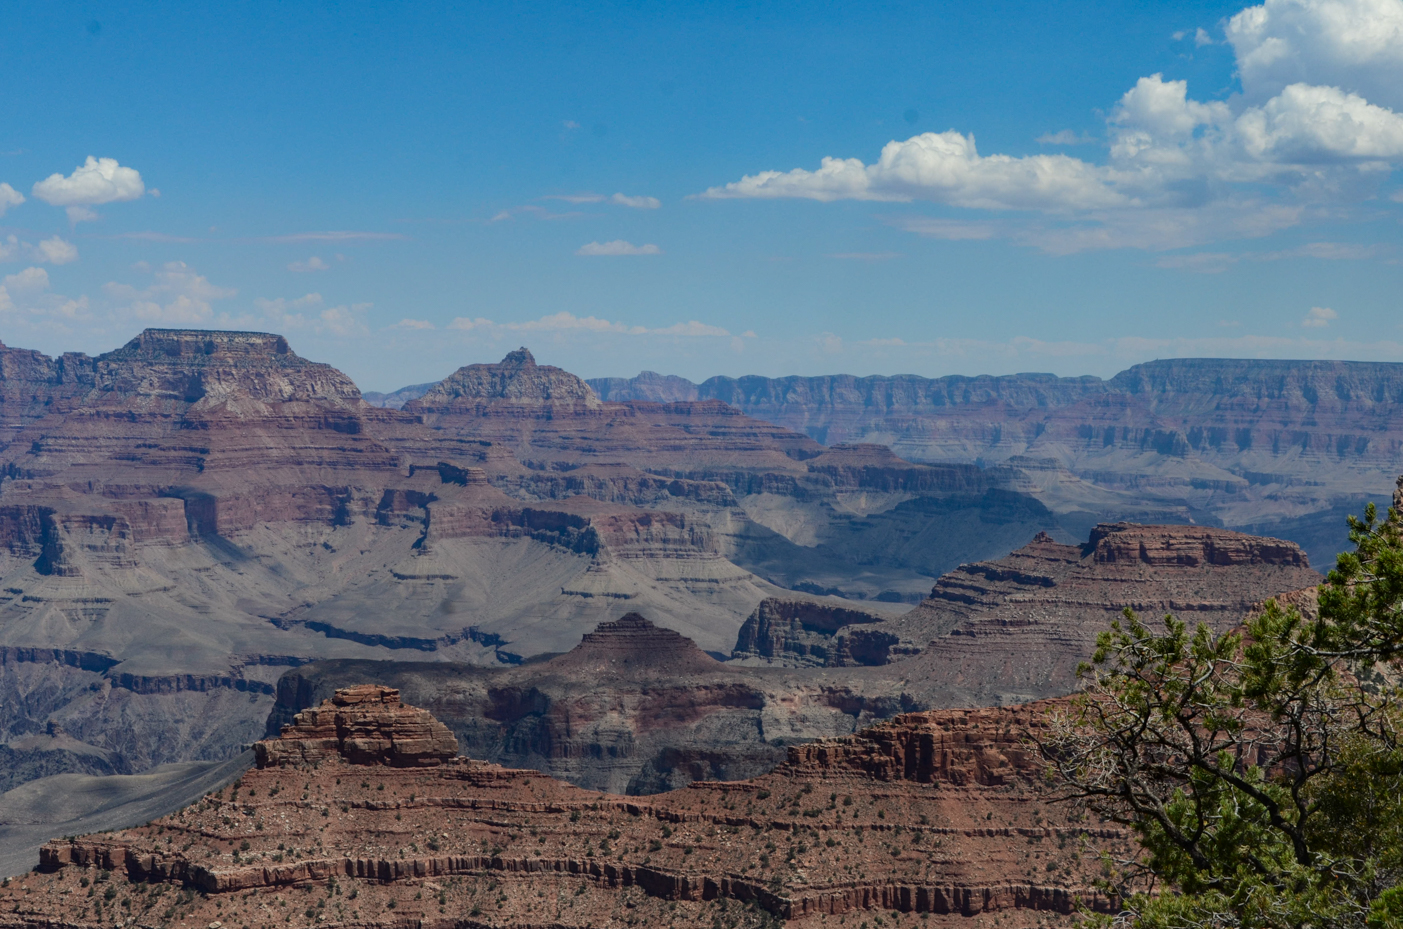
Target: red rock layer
(365, 725)
(932, 813)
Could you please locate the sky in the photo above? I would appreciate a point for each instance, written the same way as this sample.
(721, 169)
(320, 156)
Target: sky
(709, 188)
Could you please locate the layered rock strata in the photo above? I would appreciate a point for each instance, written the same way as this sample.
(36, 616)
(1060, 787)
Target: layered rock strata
(933, 814)
(1268, 446)
(1040, 608)
(365, 725)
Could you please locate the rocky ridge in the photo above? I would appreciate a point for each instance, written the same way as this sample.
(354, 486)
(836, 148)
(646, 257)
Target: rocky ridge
(1277, 446)
(935, 814)
(1014, 628)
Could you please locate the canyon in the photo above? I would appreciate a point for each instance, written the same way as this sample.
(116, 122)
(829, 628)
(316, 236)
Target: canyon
(1284, 448)
(361, 813)
(204, 535)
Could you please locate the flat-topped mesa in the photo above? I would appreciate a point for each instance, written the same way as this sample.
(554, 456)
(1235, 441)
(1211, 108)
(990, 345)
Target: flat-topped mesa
(515, 379)
(633, 644)
(209, 367)
(365, 725)
(1189, 546)
(197, 345)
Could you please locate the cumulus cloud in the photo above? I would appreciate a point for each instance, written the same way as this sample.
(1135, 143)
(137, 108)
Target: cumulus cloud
(311, 264)
(1354, 45)
(93, 183)
(617, 247)
(1319, 317)
(9, 197)
(569, 322)
(53, 250)
(1318, 128)
(414, 324)
(56, 251)
(944, 167)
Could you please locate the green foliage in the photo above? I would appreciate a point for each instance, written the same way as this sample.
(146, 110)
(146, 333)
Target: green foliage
(1261, 771)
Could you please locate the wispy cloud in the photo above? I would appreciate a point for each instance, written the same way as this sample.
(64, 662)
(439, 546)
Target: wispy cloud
(616, 248)
(637, 203)
(311, 264)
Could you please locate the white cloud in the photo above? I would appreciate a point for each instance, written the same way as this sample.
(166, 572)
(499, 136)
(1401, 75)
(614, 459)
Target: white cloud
(569, 322)
(1354, 45)
(95, 182)
(1202, 38)
(177, 295)
(52, 251)
(9, 197)
(637, 203)
(56, 251)
(1319, 317)
(944, 167)
(617, 247)
(25, 300)
(414, 324)
(30, 279)
(1318, 130)
(311, 264)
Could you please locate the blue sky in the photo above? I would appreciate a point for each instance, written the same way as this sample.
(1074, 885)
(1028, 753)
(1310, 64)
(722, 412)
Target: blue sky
(402, 189)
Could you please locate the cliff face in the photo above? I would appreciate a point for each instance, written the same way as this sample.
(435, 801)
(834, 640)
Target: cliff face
(1016, 627)
(933, 814)
(1242, 442)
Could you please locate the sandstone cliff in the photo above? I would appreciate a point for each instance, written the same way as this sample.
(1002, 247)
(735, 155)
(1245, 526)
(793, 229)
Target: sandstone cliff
(931, 814)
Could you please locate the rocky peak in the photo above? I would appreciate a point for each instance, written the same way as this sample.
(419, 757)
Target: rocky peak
(1189, 546)
(365, 724)
(516, 378)
(633, 644)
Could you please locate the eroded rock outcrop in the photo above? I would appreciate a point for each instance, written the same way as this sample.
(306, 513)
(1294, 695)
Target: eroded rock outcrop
(365, 724)
(807, 632)
(937, 814)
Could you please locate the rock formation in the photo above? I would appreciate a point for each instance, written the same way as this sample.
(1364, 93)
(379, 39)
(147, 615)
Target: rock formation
(1281, 446)
(188, 518)
(365, 725)
(1016, 627)
(936, 814)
